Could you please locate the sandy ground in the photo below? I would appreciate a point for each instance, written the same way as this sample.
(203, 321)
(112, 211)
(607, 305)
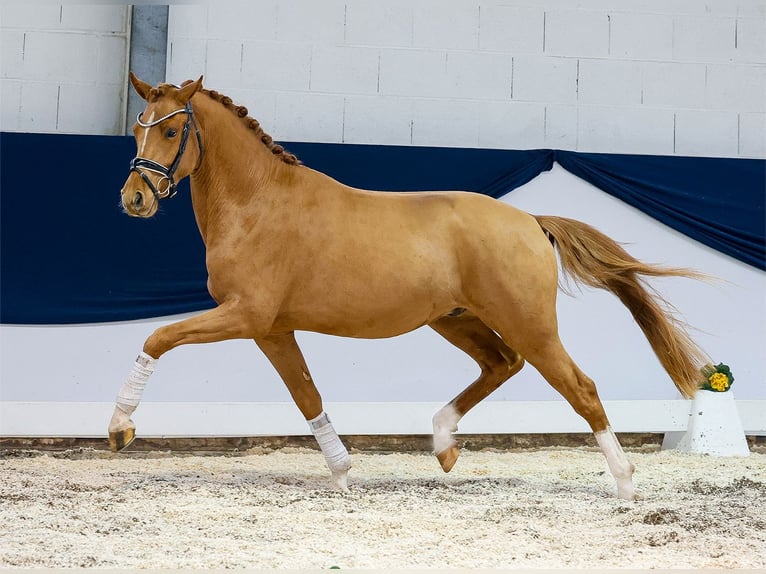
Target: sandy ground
(530, 509)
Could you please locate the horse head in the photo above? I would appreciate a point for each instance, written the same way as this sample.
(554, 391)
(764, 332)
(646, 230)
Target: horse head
(166, 152)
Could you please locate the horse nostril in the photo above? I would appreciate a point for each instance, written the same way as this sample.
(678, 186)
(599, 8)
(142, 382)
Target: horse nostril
(138, 200)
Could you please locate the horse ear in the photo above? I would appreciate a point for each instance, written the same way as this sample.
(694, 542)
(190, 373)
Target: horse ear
(142, 88)
(189, 89)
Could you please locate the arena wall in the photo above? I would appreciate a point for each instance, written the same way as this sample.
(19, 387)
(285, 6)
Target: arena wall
(650, 77)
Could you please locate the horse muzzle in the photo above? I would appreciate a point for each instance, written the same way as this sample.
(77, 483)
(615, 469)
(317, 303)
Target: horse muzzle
(138, 203)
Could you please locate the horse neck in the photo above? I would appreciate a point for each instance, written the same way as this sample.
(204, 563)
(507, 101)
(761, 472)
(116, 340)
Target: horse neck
(235, 171)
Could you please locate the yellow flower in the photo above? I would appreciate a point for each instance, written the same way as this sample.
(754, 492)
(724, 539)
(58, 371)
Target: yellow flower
(719, 381)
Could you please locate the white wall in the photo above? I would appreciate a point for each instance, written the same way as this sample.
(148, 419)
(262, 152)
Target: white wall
(62, 67)
(650, 76)
(645, 76)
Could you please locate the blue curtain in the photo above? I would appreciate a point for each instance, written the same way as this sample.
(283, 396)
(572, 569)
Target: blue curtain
(69, 255)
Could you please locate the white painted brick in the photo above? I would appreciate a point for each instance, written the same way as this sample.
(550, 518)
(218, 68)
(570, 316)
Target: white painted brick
(511, 125)
(345, 70)
(378, 120)
(30, 15)
(560, 127)
(677, 85)
(577, 34)
(379, 23)
(751, 40)
(189, 21)
(186, 59)
(478, 75)
(704, 39)
(412, 73)
(641, 36)
(752, 135)
(610, 82)
(309, 117)
(625, 130)
(706, 133)
(452, 27)
(276, 65)
(10, 103)
(95, 18)
(736, 87)
(90, 110)
(446, 123)
(223, 63)
(310, 21)
(112, 59)
(243, 21)
(62, 57)
(39, 107)
(511, 29)
(544, 79)
(12, 54)
(260, 103)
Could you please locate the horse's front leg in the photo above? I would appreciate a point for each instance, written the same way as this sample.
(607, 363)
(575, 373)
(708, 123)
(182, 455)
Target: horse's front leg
(223, 322)
(284, 353)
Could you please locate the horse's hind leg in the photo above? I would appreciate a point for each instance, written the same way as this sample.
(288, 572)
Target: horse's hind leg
(558, 368)
(284, 353)
(498, 363)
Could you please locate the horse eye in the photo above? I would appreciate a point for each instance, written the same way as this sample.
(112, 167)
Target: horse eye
(171, 133)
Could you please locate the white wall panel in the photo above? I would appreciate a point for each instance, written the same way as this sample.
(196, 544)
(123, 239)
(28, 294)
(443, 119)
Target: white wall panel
(53, 49)
(641, 36)
(389, 117)
(544, 79)
(674, 85)
(511, 125)
(609, 82)
(695, 129)
(344, 70)
(446, 27)
(573, 33)
(704, 39)
(736, 87)
(511, 29)
(752, 135)
(631, 130)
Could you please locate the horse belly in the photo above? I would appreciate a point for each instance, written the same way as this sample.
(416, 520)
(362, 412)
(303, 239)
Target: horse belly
(372, 300)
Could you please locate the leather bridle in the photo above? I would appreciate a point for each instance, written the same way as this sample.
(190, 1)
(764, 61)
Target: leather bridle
(141, 164)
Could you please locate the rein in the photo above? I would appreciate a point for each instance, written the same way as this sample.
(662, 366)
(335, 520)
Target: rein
(139, 164)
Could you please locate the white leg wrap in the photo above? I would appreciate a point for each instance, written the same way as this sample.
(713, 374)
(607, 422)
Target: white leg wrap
(133, 388)
(445, 423)
(619, 465)
(334, 452)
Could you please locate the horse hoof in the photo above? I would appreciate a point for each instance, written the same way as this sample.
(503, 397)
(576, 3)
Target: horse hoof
(340, 480)
(121, 439)
(448, 458)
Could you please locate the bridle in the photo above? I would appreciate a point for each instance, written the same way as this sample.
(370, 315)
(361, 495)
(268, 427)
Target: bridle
(139, 164)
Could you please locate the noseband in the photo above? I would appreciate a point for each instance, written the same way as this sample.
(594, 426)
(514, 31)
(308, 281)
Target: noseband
(141, 164)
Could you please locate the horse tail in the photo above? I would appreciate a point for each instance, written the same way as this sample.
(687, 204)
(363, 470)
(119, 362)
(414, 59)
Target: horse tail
(594, 259)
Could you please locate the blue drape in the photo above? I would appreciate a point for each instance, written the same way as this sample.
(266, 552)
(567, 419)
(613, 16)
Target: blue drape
(69, 255)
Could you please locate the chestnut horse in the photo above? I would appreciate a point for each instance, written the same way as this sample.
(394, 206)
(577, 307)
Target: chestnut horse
(289, 248)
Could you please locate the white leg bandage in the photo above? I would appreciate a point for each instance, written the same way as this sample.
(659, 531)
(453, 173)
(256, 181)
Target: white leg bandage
(445, 423)
(334, 452)
(619, 465)
(133, 388)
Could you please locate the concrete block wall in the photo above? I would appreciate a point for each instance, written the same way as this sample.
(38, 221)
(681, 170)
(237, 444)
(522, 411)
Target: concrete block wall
(62, 67)
(679, 77)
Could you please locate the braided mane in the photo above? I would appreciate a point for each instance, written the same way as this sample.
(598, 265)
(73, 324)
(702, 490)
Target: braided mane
(254, 125)
(241, 112)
